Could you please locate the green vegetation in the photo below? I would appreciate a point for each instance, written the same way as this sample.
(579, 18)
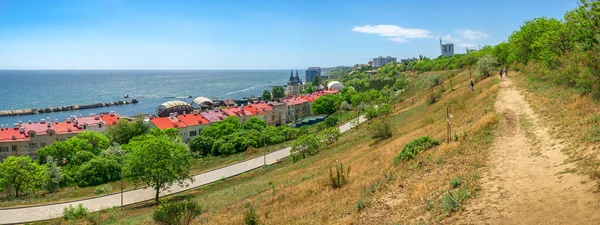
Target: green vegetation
(229, 136)
(305, 146)
(176, 213)
(124, 131)
(250, 217)
(278, 92)
(103, 189)
(339, 177)
(55, 176)
(21, 173)
(413, 148)
(326, 104)
(72, 213)
(266, 95)
(380, 130)
(157, 161)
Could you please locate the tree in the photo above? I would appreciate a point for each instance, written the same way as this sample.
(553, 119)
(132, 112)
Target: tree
(532, 41)
(331, 121)
(486, 66)
(316, 81)
(202, 145)
(326, 104)
(330, 135)
(157, 161)
(278, 92)
(124, 131)
(99, 170)
(309, 89)
(304, 146)
(98, 141)
(54, 175)
(21, 173)
(266, 95)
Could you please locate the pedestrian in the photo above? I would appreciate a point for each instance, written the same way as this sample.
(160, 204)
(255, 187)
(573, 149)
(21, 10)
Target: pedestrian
(472, 85)
(506, 72)
(501, 73)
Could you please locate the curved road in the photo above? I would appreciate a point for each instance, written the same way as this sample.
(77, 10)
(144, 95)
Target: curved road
(51, 211)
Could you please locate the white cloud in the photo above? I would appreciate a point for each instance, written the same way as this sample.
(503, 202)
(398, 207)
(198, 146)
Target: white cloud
(398, 39)
(448, 38)
(396, 33)
(471, 34)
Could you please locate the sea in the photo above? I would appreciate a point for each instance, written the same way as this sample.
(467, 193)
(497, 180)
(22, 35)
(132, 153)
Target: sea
(26, 89)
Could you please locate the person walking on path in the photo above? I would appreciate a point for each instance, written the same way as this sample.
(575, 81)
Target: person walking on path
(472, 85)
(506, 72)
(501, 73)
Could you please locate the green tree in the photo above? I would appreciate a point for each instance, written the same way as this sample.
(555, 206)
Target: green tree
(54, 175)
(316, 81)
(21, 173)
(157, 161)
(304, 146)
(331, 121)
(326, 104)
(278, 92)
(202, 145)
(98, 141)
(99, 170)
(309, 89)
(486, 66)
(266, 95)
(124, 131)
(532, 41)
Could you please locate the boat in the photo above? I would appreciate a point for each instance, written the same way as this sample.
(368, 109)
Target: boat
(126, 96)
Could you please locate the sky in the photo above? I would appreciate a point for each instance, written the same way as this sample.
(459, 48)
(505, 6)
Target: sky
(250, 34)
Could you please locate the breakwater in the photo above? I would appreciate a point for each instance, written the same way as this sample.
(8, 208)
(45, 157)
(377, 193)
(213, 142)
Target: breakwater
(64, 108)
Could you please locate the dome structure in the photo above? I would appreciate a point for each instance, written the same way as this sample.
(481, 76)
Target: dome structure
(179, 107)
(202, 103)
(335, 85)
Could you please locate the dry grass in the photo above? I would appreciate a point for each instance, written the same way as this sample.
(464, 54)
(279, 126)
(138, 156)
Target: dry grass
(571, 116)
(303, 195)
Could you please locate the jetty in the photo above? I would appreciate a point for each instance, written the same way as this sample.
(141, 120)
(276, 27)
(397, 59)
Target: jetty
(64, 108)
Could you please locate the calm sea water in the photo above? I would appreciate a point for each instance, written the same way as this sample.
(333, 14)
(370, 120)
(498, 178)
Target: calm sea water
(51, 88)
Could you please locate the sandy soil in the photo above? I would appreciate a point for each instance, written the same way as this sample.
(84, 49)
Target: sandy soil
(528, 181)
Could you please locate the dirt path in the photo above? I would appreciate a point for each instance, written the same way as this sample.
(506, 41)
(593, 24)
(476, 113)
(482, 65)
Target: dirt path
(527, 181)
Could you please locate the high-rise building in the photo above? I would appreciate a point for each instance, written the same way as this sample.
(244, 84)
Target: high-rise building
(446, 49)
(381, 61)
(311, 73)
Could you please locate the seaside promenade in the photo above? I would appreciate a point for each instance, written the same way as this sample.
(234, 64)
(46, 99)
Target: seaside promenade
(51, 211)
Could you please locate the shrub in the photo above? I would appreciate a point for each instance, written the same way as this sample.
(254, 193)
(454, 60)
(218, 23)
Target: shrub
(339, 178)
(250, 217)
(330, 135)
(102, 189)
(72, 213)
(449, 203)
(179, 213)
(345, 106)
(331, 121)
(455, 182)
(413, 148)
(486, 66)
(304, 146)
(360, 205)
(380, 130)
(99, 170)
(434, 97)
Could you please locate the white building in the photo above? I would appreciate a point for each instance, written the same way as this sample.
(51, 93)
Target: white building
(446, 49)
(381, 61)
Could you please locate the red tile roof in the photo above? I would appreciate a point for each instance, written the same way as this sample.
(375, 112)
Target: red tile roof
(166, 122)
(252, 110)
(263, 106)
(213, 116)
(110, 119)
(193, 119)
(7, 134)
(234, 111)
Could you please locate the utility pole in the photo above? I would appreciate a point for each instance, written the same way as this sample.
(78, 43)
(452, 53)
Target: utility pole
(449, 128)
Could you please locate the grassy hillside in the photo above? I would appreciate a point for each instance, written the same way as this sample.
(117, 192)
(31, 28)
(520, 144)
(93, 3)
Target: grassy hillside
(378, 191)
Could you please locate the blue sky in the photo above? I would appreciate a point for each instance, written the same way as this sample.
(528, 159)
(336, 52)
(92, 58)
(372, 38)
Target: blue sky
(120, 34)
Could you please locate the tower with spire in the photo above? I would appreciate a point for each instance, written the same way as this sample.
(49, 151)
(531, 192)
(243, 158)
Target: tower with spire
(294, 85)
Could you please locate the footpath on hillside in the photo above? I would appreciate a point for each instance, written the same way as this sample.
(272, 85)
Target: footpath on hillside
(528, 180)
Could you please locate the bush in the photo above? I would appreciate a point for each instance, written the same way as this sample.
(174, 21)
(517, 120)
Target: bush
(250, 217)
(340, 177)
(345, 106)
(360, 205)
(449, 203)
(330, 135)
(72, 213)
(380, 130)
(455, 182)
(304, 146)
(179, 213)
(331, 121)
(99, 170)
(413, 148)
(486, 66)
(102, 189)
(434, 97)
